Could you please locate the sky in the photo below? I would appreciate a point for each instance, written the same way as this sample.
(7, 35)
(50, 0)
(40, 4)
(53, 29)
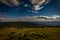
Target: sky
(23, 8)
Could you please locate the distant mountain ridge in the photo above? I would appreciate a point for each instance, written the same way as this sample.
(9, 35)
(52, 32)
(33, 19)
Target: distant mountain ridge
(30, 24)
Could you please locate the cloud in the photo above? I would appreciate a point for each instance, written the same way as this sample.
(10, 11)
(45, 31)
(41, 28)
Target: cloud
(32, 19)
(37, 1)
(10, 2)
(47, 1)
(38, 4)
(37, 7)
(51, 17)
(26, 5)
(15, 2)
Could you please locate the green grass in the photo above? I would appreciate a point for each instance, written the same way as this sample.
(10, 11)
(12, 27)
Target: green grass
(30, 34)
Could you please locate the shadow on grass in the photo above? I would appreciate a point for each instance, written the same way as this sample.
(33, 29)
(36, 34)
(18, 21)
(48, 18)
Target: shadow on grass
(27, 36)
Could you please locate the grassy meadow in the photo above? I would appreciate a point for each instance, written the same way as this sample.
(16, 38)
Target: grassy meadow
(30, 34)
(28, 31)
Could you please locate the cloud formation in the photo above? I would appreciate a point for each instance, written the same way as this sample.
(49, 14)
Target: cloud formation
(37, 1)
(37, 4)
(10, 2)
(37, 7)
(32, 19)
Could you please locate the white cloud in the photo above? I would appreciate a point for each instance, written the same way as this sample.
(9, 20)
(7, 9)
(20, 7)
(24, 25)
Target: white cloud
(56, 15)
(37, 1)
(2, 18)
(26, 5)
(15, 2)
(10, 2)
(37, 4)
(32, 19)
(37, 7)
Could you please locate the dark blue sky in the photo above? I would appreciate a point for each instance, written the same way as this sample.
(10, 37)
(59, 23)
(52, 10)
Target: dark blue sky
(52, 8)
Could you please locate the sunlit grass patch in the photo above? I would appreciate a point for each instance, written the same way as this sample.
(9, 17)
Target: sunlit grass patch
(30, 34)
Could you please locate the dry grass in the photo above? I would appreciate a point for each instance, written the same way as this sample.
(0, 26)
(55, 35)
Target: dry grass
(30, 34)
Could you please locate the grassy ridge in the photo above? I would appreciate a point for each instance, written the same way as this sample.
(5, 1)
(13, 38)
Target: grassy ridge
(22, 25)
(30, 34)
